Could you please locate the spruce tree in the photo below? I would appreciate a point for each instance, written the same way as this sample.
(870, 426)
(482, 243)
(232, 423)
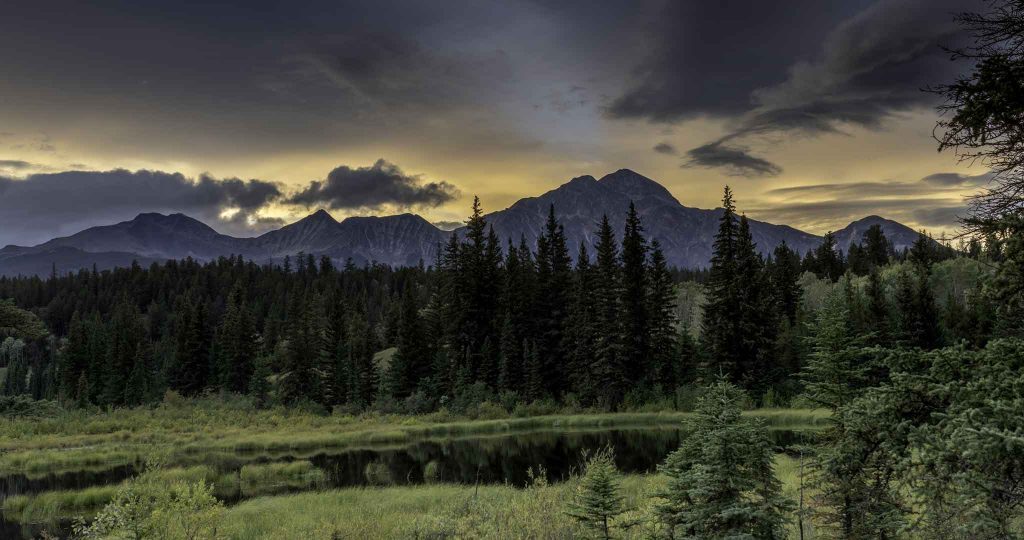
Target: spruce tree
(554, 282)
(582, 332)
(597, 500)
(663, 366)
(236, 348)
(411, 362)
(721, 482)
(607, 369)
(634, 303)
(876, 246)
(720, 330)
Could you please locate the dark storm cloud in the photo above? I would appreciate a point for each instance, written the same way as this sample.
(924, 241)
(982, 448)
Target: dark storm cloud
(736, 161)
(707, 58)
(381, 184)
(665, 148)
(844, 64)
(46, 205)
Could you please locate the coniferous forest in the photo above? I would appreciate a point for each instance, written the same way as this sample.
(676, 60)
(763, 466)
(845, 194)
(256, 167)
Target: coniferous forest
(852, 392)
(491, 320)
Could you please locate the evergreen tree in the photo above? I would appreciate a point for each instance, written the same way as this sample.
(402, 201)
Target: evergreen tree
(635, 303)
(720, 329)
(663, 337)
(411, 362)
(783, 277)
(554, 282)
(192, 353)
(597, 501)
(607, 370)
(828, 259)
(721, 482)
(876, 247)
(582, 331)
(236, 348)
(126, 332)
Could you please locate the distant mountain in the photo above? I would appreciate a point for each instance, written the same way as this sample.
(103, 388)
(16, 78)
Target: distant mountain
(899, 235)
(686, 234)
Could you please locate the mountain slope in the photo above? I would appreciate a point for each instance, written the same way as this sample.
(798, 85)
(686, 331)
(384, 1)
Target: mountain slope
(686, 234)
(899, 235)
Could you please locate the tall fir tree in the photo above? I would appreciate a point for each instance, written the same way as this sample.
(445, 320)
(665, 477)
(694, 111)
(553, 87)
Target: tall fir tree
(607, 369)
(554, 281)
(634, 303)
(663, 369)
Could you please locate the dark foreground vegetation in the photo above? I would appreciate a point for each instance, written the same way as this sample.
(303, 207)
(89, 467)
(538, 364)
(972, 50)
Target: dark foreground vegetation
(917, 356)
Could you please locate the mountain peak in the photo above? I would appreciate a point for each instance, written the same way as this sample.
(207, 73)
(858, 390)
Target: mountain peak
(636, 186)
(320, 215)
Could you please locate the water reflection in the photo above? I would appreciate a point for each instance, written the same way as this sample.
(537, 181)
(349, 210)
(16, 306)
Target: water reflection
(492, 459)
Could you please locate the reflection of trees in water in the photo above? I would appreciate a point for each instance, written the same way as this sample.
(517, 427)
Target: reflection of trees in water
(504, 459)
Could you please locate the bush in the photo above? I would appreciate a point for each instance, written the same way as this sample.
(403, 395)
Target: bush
(418, 403)
(540, 407)
(26, 407)
(490, 411)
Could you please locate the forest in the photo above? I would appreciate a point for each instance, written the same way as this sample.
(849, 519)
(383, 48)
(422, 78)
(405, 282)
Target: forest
(913, 361)
(513, 324)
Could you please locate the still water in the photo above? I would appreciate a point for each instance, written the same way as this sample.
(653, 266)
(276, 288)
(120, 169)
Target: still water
(492, 459)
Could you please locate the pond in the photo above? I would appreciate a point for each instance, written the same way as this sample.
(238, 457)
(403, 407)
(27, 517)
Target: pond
(506, 458)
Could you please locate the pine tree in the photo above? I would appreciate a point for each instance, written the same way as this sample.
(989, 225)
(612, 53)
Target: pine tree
(876, 246)
(581, 331)
(597, 500)
(634, 303)
(836, 370)
(721, 482)
(607, 369)
(554, 281)
(757, 324)
(126, 332)
(663, 336)
(236, 348)
(878, 312)
(828, 259)
(720, 329)
(192, 354)
(411, 362)
(783, 277)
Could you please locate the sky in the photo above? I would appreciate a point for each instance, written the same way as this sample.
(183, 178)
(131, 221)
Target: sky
(251, 114)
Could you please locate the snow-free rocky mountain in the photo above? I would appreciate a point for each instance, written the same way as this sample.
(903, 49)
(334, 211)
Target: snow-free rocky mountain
(686, 234)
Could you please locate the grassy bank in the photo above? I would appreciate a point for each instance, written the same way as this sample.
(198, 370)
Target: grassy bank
(441, 511)
(250, 481)
(199, 430)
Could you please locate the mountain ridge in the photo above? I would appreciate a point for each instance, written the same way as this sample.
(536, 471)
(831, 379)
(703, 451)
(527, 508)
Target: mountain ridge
(685, 233)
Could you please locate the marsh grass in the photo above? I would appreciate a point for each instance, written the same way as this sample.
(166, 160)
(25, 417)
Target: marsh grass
(213, 429)
(450, 511)
(249, 481)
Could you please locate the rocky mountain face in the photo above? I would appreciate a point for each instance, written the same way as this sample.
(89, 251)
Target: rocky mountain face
(898, 234)
(686, 234)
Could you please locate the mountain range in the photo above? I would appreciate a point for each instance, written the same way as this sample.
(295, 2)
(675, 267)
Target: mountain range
(686, 234)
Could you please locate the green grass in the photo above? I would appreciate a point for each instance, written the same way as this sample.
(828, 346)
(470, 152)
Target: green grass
(213, 430)
(249, 481)
(447, 510)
